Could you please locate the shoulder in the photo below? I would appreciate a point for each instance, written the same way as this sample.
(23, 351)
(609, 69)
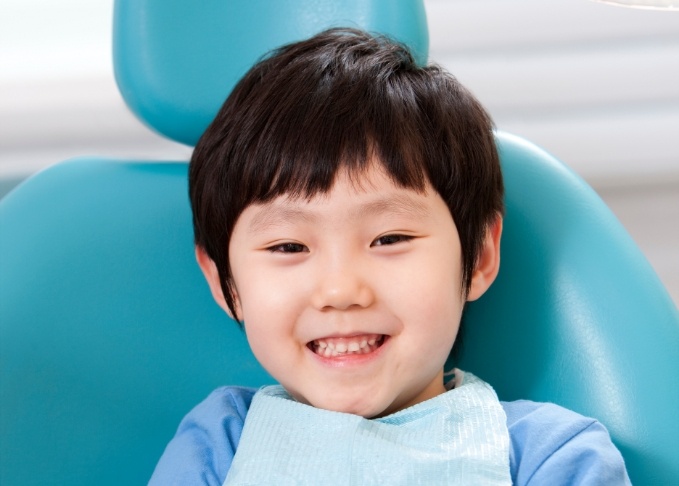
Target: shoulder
(203, 447)
(229, 402)
(554, 445)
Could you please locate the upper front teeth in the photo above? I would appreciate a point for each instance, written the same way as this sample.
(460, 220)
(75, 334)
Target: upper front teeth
(338, 346)
(352, 347)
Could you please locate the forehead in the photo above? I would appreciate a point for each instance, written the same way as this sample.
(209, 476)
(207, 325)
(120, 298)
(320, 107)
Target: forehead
(368, 193)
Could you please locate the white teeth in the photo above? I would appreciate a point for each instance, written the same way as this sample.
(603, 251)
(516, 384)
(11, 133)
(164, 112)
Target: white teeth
(332, 348)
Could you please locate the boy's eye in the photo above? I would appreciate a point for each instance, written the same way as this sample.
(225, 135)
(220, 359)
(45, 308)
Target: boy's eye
(288, 248)
(391, 240)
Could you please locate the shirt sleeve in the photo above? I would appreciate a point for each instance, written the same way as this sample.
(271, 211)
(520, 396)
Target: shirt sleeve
(201, 451)
(553, 445)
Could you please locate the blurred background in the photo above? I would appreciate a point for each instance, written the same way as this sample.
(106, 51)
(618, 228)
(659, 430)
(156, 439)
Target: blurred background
(595, 85)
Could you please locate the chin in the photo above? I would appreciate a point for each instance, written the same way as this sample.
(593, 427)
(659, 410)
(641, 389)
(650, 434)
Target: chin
(358, 407)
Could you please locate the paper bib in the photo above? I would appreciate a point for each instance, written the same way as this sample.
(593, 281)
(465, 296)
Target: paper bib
(457, 438)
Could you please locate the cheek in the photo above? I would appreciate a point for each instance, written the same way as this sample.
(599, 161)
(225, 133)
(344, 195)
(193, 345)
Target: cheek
(433, 286)
(263, 345)
(435, 304)
(270, 310)
(265, 295)
(268, 340)
(431, 341)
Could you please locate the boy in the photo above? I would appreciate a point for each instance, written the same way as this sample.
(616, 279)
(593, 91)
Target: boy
(347, 203)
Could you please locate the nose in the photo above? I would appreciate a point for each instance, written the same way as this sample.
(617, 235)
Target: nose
(341, 286)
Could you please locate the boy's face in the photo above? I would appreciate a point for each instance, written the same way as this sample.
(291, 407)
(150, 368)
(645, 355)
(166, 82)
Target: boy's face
(352, 299)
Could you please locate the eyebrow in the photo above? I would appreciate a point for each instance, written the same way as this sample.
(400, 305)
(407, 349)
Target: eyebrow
(276, 214)
(400, 204)
(281, 213)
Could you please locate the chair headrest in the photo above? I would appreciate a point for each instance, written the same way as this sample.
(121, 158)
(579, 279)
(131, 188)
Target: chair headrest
(176, 62)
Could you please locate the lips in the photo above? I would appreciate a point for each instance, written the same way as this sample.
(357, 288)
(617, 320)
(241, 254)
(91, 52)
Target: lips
(332, 347)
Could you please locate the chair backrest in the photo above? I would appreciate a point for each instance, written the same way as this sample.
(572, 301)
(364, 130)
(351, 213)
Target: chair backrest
(175, 63)
(577, 316)
(108, 334)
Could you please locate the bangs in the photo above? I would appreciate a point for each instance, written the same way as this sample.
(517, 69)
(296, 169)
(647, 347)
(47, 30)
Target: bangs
(325, 121)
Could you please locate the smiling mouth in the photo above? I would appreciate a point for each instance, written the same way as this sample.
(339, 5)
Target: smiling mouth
(346, 346)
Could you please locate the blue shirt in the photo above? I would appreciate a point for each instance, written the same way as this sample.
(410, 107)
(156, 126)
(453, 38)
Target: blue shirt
(550, 445)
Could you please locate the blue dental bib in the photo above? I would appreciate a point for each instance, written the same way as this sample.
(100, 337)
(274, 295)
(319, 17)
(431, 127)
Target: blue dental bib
(459, 437)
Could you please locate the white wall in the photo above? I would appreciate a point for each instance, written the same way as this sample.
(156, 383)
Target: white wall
(596, 85)
(58, 98)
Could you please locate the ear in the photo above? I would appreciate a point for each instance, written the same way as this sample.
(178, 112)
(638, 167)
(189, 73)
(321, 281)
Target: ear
(212, 276)
(488, 264)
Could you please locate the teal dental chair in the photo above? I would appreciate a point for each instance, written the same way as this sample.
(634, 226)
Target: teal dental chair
(109, 335)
